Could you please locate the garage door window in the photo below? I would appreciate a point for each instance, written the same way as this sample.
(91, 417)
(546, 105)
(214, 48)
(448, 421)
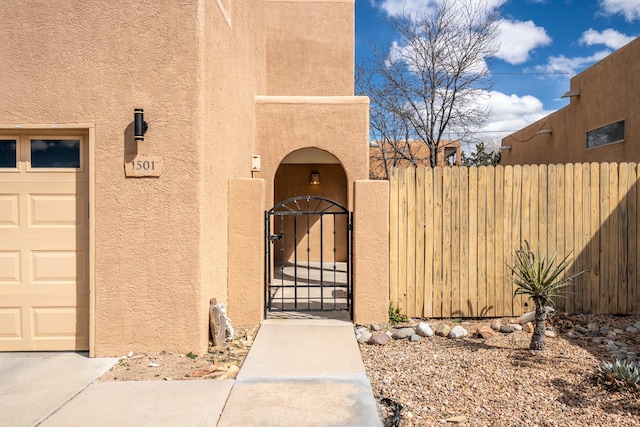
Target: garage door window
(55, 153)
(8, 153)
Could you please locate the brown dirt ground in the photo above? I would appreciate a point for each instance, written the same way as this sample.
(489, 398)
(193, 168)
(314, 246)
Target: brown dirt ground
(171, 366)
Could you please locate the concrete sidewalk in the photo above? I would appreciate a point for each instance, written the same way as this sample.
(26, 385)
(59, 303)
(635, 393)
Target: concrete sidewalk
(35, 385)
(297, 373)
(302, 373)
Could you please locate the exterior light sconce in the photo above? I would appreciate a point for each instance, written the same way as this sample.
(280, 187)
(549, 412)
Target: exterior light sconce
(571, 93)
(505, 147)
(315, 178)
(139, 125)
(546, 130)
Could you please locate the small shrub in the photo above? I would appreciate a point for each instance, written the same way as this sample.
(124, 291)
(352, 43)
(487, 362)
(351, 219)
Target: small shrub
(395, 316)
(619, 375)
(192, 356)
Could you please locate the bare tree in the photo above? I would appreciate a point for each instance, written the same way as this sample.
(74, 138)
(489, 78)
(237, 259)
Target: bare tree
(425, 87)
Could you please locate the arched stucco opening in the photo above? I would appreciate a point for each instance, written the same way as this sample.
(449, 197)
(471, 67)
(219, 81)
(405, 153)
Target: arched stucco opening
(292, 179)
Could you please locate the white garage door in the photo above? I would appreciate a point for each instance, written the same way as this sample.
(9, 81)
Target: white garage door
(44, 243)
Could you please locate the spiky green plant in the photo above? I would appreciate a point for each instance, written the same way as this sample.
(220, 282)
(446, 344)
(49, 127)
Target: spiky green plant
(540, 278)
(619, 375)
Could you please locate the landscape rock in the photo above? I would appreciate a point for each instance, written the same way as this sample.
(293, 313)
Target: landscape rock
(458, 332)
(495, 324)
(443, 330)
(154, 365)
(506, 329)
(485, 332)
(415, 337)
(582, 329)
(375, 327)
(632, 329)
(360, 329)
(593, 327)
(516, 326)
(402, 333)
(424, 330)
(528, 327)
(637, 325)
(379, 338)
(549, 333)
(364, 337)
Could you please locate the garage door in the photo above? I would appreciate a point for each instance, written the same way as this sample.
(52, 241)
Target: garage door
(44, 243)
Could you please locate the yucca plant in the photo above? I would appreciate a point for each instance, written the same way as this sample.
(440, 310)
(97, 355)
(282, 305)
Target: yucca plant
(540, 278)
(619, 375)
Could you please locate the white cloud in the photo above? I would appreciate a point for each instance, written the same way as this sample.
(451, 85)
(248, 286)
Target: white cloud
(511, 112)
(426, 7)
(629, 8)
(518, 38)
(609, 37)
(563, 65)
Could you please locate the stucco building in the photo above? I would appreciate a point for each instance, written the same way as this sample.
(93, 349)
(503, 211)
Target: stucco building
(404, 155)
(115, 239)
(600, 124)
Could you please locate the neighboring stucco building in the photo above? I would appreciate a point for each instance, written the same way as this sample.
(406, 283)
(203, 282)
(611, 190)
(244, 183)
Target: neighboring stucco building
(600, 124)
(405, 154)
(111, 241)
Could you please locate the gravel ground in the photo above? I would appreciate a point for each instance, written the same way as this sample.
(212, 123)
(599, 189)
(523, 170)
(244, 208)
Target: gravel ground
(498, 381)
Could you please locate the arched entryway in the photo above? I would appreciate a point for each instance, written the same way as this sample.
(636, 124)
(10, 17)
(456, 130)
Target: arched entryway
(308, 236)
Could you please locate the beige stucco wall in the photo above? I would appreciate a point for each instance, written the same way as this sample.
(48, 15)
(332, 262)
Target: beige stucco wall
(233, 58)
(371, 252)
(310, 47)
(246, 251)
(338, 125)
(608, 93)
(160, 243)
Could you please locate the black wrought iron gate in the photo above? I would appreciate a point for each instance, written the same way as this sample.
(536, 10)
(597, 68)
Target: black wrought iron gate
(308, 256)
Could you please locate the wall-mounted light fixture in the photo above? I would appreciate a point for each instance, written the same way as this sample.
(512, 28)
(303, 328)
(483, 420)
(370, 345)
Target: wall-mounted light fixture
(139, 125)
(571, 93)
(315, 178)
(545, 130)
(505, 147)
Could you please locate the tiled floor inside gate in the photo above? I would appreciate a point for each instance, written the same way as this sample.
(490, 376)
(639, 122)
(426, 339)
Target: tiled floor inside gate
(311, 286)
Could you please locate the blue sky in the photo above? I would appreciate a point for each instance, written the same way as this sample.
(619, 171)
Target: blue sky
(543, 43)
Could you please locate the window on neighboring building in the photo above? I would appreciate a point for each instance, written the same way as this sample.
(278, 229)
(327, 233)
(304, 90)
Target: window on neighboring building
(604, 135)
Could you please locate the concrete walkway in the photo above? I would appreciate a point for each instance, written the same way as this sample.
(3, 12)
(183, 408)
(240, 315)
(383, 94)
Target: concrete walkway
(302, 373)
(299, 372)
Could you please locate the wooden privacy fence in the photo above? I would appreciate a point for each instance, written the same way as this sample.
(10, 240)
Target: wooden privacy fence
(454, 228)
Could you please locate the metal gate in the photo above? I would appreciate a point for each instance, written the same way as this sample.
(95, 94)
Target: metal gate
(308, 256)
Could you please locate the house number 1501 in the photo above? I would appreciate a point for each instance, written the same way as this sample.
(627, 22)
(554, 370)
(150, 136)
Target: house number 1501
(144, 165)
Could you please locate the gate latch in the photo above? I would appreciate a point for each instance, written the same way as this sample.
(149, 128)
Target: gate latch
(273, 237)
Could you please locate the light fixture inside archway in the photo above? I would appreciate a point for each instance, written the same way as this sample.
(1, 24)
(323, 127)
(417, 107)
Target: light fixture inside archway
(315, 178)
